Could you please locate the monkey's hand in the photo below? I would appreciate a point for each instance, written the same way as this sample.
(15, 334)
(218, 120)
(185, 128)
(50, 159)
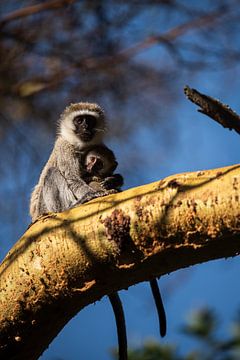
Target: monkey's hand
(112, 182)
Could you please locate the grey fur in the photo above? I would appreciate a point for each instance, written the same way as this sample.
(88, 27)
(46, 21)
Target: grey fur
(61, 183)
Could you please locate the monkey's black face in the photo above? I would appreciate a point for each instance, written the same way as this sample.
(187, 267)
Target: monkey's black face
(85, 126)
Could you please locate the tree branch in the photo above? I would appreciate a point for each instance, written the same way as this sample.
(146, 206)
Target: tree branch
(34, 9)
(213, 108)
(171, 35)
(68, 260)
(166, 39)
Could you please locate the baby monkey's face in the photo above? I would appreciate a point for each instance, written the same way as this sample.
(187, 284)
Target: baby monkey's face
(94, 164)
(100, 163)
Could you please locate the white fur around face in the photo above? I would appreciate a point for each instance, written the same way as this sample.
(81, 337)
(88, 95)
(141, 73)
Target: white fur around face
(67, 129)
(82, 112)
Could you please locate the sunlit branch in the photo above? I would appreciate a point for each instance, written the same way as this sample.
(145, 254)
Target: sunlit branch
(67, 261)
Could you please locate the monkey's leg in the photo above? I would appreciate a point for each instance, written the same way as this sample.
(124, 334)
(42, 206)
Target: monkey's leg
(121, 325)
(160, 307)
(57, 195)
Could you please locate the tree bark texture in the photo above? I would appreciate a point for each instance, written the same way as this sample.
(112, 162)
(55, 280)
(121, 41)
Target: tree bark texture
(68, 260)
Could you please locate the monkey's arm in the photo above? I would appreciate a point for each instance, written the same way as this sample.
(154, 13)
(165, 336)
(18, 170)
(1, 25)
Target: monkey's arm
(70, 167)
(109, 185)
(56, 194)
(113, 182)
(82, 191)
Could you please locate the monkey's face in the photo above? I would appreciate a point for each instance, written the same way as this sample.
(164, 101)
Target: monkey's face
(97, 164)
(82, 124)
(94, 165)
(85, 126)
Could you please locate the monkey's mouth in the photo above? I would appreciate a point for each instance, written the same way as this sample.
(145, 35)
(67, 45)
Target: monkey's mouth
(86, 136)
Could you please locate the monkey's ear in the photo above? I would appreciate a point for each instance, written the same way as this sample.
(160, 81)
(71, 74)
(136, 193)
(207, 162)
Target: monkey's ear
(91, 163)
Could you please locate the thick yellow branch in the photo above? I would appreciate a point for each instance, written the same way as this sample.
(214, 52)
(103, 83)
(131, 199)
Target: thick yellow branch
(66, 261)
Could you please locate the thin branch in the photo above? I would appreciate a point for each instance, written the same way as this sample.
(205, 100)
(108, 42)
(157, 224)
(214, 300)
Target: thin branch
(213, 108)
(174, 33)
(124, 55)
(30, 10)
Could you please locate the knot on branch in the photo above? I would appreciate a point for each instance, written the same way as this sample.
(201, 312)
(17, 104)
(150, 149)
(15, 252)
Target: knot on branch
(118, 228)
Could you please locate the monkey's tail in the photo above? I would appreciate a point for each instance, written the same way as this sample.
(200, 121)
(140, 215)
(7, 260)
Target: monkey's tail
(121, 325)
(160, 307)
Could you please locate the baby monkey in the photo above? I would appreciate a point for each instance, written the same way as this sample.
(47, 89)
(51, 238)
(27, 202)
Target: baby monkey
(100, 164)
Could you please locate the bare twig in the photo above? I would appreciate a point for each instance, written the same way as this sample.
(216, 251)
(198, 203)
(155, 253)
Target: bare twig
(30, 10)
(174, 33)
(213, 108)
(124, 55)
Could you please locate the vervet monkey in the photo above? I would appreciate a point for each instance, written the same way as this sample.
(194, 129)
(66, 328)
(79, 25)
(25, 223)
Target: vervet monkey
(61, 183)
(100, 164)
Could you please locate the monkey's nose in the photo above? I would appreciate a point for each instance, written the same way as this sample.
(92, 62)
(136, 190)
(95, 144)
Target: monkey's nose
(84, 123)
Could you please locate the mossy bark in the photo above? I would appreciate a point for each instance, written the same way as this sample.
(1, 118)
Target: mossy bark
(66, 261)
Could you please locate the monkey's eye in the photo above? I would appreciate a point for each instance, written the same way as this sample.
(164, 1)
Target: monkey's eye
(78, 119)
(90, 120)
(84, 119)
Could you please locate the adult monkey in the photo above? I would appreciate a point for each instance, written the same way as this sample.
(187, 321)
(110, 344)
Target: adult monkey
(61, 183)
